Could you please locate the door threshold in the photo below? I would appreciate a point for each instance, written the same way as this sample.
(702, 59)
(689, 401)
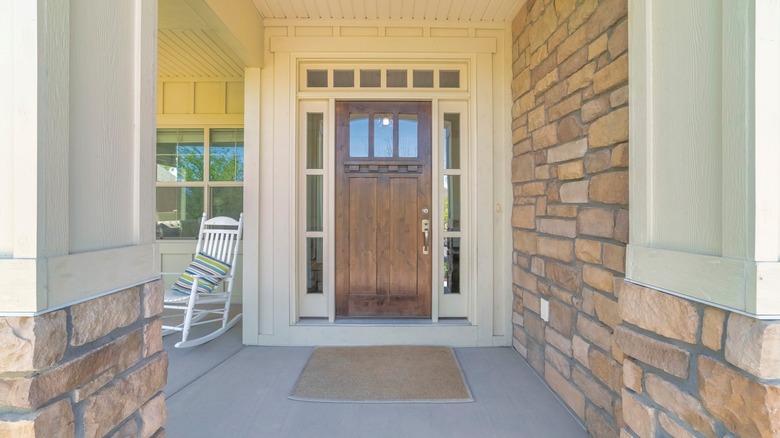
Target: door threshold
(373, 322)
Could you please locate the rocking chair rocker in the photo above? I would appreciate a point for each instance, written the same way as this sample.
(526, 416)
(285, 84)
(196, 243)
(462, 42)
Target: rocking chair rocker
(196, 292)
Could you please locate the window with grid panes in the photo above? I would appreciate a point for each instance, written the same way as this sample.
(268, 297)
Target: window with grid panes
(198, 169)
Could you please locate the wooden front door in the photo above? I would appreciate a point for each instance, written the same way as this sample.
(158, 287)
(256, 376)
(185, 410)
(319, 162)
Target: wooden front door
(383, 205)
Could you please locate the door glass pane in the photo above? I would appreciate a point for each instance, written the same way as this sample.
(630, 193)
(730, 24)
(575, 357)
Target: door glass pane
(344, 78)
(313, 202)
(180, 155)
(451, 139)
(396, 78)
(226, 155)
(227, 201)
(451, 265)
(383, 135)
(314, 137)
(452, 203)
(178, 211)
(370, 78)
(314, 252)
(317, 78)
(358, 135)
(407, 135)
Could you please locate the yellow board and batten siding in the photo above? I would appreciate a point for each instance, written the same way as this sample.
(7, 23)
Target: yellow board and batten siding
(197, 103)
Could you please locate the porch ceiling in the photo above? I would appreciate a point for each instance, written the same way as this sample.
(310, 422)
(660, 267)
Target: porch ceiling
(194, 41)
(438, 10)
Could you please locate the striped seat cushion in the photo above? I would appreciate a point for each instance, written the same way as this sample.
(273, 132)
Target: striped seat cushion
(202, 265)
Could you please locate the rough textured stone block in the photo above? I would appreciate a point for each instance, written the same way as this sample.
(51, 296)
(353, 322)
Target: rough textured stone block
(113, 404)
(588, 250)
(569, 129)
(621, 226)
(746, 407)
(559, 249)
(152, 297)
(609, 188)
(565, 390)
(571, 45)
(539, 31)
(524, 241)
(619, 97)
(594, 332)
(568, 106)
(595, 108)
(608, 13)
(639, 417)
(561, 318)
(680, 403)
(557, 340)
(558, 361)
(558, 227)
(523, 168)
(618, 39)
(581, 78)
(598, 278)
(672, 427)
(564, 275)
(55, 420)
(153, 337)
(607, 310)
(569, 171)
(597, 47)
(632, 376)
(659, 312)
(522, 278)
(615, 257)
(580, 349)
(30, 392)
(667, 357)
(524, 216)
(609, 129)
(593, 390)
(606, 369)
(619, 157)
(599, 222)
(582, 13)
(575, 192)
(754, 345)
(613, 74)
(30, 343)
(568, 151)
(153, 415)
(597, 161)
(96, 318)
(534, 325)
(597, 424)
(712, 328)
(545, 137)
(128, 430)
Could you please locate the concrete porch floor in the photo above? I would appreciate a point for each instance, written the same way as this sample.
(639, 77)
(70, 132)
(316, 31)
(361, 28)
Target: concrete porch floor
(224, 389)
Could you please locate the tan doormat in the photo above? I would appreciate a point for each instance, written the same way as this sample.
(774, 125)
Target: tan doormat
(388, 374)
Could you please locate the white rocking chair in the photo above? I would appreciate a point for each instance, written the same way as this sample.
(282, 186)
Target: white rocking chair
(195, 293)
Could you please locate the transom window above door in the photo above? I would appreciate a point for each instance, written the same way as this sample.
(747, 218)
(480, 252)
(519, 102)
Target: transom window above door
(317, 77)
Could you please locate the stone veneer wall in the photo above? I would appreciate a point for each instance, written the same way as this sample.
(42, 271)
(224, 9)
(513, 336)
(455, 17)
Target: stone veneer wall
(627, 360)
(91, 370)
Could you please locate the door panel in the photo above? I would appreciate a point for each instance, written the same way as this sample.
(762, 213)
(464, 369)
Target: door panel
(383, 193)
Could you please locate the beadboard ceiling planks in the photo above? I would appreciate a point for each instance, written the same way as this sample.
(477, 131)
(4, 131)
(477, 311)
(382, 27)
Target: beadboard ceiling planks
(429, 10)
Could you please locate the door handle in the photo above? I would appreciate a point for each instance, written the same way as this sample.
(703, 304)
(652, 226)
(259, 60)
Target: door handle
(426, 233)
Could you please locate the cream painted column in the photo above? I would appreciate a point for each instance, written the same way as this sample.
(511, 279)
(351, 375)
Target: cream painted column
(252, 211)
(79, 200)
